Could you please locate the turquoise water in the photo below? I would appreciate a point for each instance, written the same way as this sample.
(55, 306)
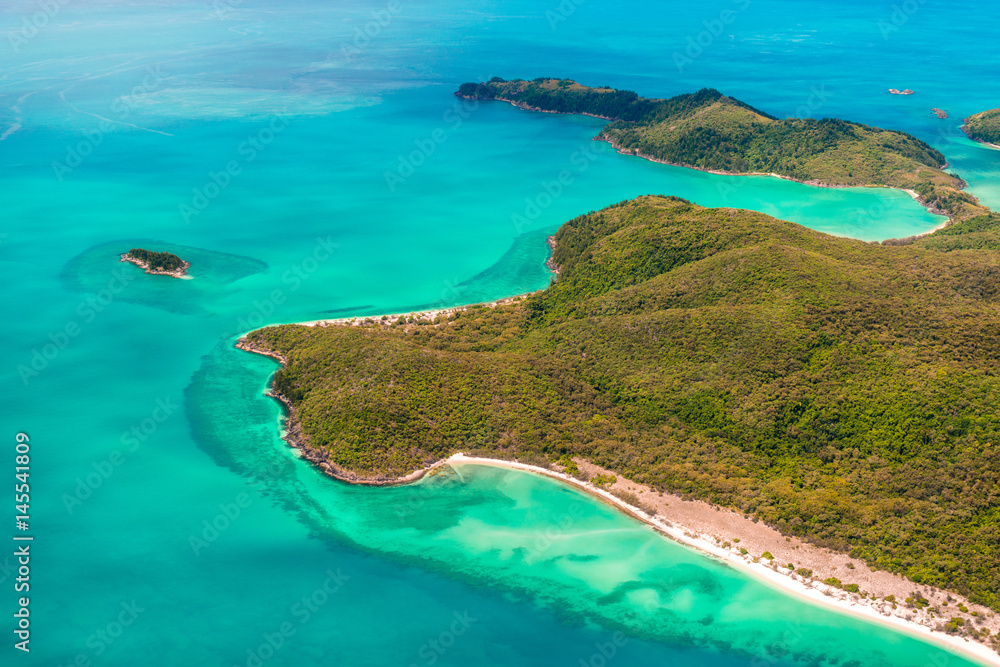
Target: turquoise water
(266, 142)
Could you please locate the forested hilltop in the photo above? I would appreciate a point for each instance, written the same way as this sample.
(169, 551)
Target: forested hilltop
(984, 126)
(845, 392)
(707, 130)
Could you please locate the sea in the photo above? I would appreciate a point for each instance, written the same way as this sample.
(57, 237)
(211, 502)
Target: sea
(310, 160)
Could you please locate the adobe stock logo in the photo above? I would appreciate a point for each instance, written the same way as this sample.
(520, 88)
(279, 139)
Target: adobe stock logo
(698, 44)
(363, 37)
(31, 26)
(562, 13)
(217, 182)
(901, 15)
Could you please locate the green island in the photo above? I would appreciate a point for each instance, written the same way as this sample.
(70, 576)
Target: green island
(709, 131)
(840, 391)
(157, 263)
(984, 127)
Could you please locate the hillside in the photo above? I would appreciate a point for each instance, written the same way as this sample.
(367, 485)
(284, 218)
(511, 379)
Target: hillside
(840, 391)
(984, 126)
(710, 131)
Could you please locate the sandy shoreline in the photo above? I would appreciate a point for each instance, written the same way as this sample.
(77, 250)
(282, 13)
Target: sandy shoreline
(814, 592)
(702, 526)
(708, 528)
(965, 129)
(419, 315)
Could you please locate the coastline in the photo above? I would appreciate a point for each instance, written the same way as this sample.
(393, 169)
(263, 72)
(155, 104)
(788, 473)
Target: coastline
(528, 107)
(425, 315)
(813, 182)
(873, 598)
(815, 592)
(965, 128)
(292, 434)
(635, 153)
(176, 273)
(428, 315)
(697, 534)
(984, 143)
(946, 223)
(550, 263)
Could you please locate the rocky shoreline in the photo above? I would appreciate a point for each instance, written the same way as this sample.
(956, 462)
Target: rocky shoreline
(550, 263)
(968, 133)
(528, 107)
(722, 533)
(176, 273)
(293, 429)
(294, 436)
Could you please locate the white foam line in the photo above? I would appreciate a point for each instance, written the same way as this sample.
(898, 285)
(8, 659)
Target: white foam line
(62, 96)
(11, 130)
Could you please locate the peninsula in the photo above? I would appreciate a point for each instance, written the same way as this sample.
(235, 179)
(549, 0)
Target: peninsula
(984, 127)
(157, 263)
(712, 132)
(840, 392)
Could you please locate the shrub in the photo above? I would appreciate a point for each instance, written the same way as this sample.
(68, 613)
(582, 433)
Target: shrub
(603, 481)
(569, 465)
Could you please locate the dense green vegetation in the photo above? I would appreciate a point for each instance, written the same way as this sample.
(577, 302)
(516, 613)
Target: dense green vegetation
(844, 392)
(984, 126)
(707, 130)
(157, 261)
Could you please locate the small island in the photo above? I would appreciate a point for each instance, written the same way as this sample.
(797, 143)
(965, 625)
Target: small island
(157, 263)
(984, 127)
(940, 113)
(894, 91)
(712, 132)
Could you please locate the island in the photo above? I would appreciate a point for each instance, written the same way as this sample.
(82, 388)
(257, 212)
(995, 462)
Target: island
(984, 127)
(157, 263)
(709, 131)
(841, 393)
(894, 91)
(940, 113)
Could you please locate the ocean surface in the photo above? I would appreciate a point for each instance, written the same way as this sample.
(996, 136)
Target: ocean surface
(310, 160)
